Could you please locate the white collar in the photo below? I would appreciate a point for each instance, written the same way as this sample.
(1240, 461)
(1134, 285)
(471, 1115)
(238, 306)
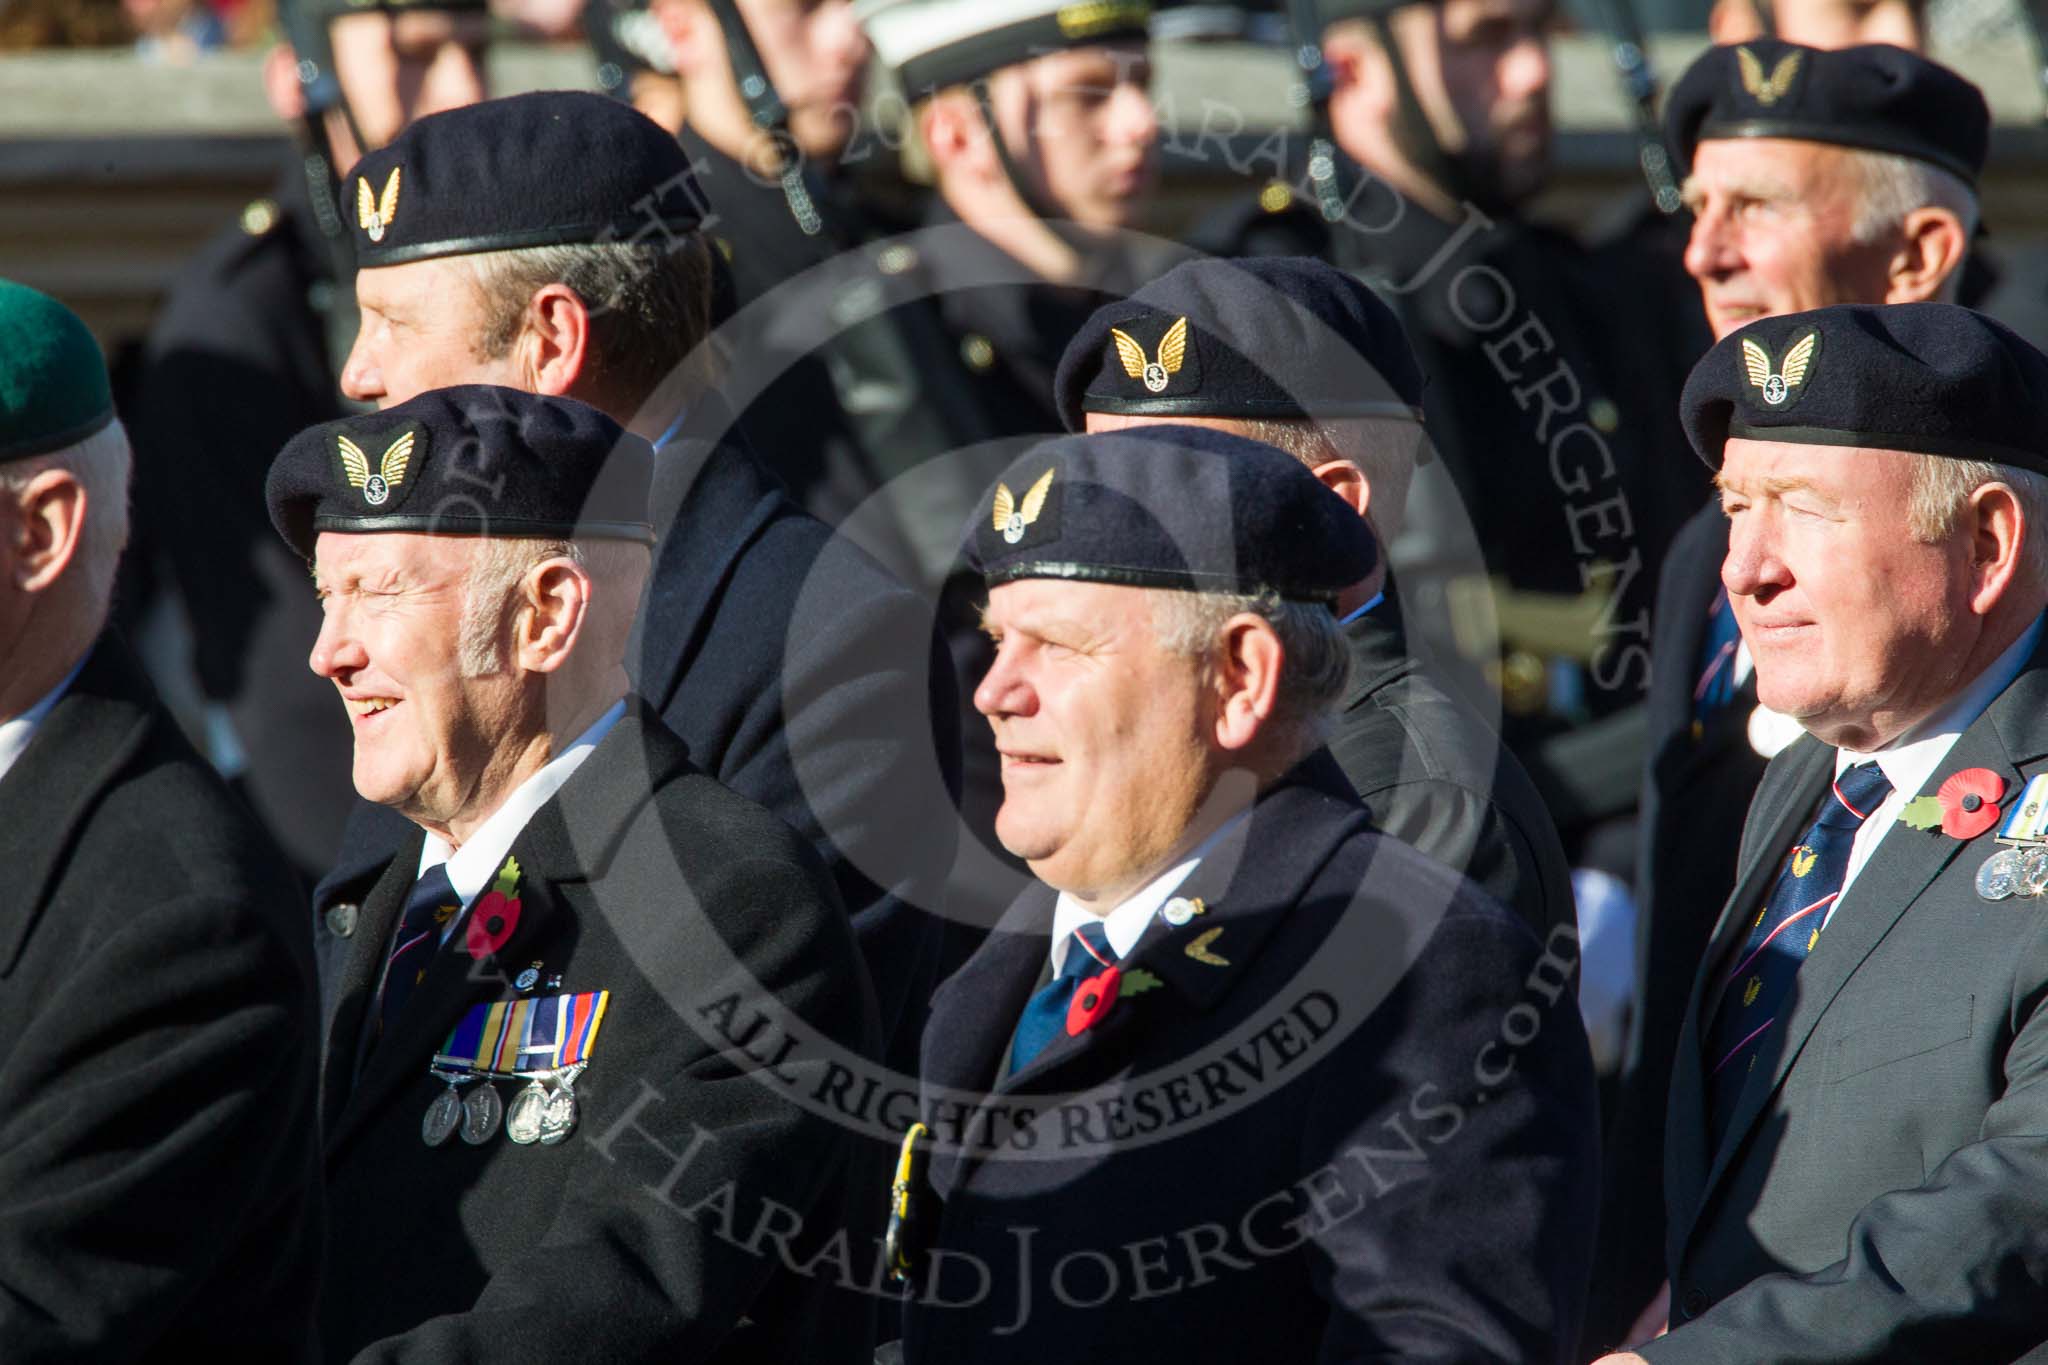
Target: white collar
(1911, 759)
(471, 867)
(16, 733)
(1126, 923)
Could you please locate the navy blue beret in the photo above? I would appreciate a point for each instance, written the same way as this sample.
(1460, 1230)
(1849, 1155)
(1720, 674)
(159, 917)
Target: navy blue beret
(1876, 98)
(1170, 507)
(1929, 378)
(1265, 337)
(475, 460)
(545, 169)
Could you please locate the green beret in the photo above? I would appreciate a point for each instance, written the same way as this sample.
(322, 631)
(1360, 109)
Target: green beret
(53, 380)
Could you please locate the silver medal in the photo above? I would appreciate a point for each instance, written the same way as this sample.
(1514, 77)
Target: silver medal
(1995, 879)
(558, 1118)
(481, 1113)
(523, 1119)
(2030, 871)
(442, 1117)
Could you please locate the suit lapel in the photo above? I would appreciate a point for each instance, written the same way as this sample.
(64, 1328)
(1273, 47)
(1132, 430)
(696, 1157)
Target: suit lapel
(1247, 882)
(2007, 736)
(568, 840)
(97, 726)
(1783, 807)
(357, 983)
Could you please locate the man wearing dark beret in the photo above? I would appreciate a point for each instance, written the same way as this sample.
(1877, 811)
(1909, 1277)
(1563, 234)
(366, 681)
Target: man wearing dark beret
(1814, 177)
(571, 1021)
(1553, 375)
(245, 353)
(1293, 352)
(1854, 1161)
(550, 242)
(159, 1160)
(1241, 1078)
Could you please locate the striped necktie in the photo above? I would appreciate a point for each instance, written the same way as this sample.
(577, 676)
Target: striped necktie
(1759, 984)
(413, 946)
(1045, 1013)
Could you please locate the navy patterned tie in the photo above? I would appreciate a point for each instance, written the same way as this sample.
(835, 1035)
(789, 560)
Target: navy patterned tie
(1759, 982)
(412, 947)
(1045, 1013)
(1716, 685)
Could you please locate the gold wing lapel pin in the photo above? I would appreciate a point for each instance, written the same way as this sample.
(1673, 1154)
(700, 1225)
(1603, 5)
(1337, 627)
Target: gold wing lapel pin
(1198, 948)
(1766, 90)
(374, 213)
(1011, 517)
(1173, 353)
(1777, 389)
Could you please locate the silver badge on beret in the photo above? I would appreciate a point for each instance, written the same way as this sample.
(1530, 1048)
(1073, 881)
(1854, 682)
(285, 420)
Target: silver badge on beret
(481, 1114)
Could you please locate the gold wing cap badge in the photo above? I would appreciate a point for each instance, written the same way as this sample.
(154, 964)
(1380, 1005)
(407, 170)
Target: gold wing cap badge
(1010, 516)
(1779, 386)
(1766, 90)
(374, 212)
(378, 484)
(1157, 373)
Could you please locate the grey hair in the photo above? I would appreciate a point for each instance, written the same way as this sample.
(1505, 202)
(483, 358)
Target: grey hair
(1385, 450)
(501, 565)
(1317, 667)
(649, 303)
(1894, 186)
(101, 463)
(1942, 486)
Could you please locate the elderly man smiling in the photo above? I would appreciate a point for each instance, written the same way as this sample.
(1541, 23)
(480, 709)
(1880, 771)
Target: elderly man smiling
(1242, 1079)
(565, 962)
(1855, 1162)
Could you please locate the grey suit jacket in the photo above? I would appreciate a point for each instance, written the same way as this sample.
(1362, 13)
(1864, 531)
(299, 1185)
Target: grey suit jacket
(1882, 1193)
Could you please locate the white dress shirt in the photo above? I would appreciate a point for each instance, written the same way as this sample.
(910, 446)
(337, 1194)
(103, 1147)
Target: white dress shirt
(1126, 923)
(15, 734)
(472, 867)
(1910, 760)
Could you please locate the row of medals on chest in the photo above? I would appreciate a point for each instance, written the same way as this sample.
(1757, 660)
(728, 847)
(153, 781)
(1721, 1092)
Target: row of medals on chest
(543, 1112)
(2020, 868)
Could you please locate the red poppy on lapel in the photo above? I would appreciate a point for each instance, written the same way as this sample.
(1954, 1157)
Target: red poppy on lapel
(496, 914)
(1092, 1000)
(1969, 802)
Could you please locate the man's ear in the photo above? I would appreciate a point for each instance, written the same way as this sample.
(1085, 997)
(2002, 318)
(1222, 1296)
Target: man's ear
(955, 134)
(554, 341)
(1931, 250)
(2000, 531)
(1347, 481)
(555, 603)
(1248, 666)
(48, 526)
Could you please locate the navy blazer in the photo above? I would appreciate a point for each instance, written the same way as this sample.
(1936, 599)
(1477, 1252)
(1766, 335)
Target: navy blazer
(803, 676)
(1354, 1118)
(728, 964)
